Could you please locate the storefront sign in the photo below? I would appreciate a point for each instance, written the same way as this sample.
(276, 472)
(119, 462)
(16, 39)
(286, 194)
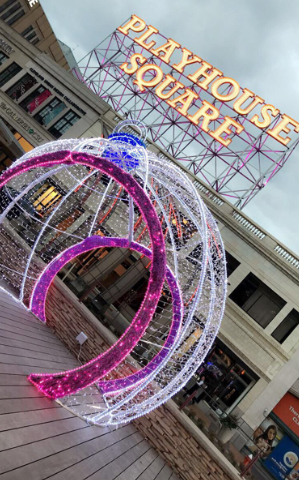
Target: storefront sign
(283, 459)
(287, 410)
(56, 90)
(5, 47)
(205, 76)
(19, 120)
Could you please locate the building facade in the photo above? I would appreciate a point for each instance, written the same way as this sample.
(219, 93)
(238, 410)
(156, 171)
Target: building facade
(28, 19)
(254, 362)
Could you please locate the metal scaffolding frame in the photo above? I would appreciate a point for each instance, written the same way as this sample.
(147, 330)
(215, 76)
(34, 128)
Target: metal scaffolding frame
(237, 172)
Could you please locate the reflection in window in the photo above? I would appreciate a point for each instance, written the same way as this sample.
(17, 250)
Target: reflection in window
(9, 73)
(66, 122)
(286, 327)
(35, 99)
(21, 87)
(227, 377)
(49, 112)
(258, 300)
(3, 58)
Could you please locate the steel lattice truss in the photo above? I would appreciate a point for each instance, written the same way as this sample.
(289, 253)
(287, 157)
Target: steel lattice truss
(237, 172)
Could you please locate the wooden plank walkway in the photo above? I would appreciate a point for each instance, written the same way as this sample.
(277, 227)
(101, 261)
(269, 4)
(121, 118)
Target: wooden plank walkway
(40, 439)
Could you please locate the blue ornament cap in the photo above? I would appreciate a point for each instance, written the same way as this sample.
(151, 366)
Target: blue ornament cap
(129, 160)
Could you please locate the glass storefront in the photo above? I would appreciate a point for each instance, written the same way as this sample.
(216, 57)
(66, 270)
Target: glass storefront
(226, 380)
(274, 446)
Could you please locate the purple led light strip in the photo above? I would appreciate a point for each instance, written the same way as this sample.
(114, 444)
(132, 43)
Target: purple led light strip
(38, 301)
(64, 383)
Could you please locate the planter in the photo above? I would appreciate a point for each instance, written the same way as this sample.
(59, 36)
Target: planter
(225, 434)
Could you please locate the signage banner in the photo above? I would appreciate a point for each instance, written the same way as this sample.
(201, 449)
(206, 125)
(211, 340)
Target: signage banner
(189, 100)
(287, 410)
(283, 459)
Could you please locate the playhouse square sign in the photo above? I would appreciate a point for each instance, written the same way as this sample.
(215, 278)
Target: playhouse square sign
(208, 78)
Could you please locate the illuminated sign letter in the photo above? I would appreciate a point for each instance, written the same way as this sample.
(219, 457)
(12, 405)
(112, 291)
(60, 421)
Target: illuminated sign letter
(168, 49)
(224, 128)
(266, 117)
(229, 96)
(206, 71)
(185, 99)
(282, 126)
(141, 40)
(141, 82)
(135, 66)
(223, 89)
(166, 83)
(135, 24)
(203, 112)
(243, 98)
(180, 67)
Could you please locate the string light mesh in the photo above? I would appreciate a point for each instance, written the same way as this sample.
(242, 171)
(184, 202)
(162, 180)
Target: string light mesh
(70, 197)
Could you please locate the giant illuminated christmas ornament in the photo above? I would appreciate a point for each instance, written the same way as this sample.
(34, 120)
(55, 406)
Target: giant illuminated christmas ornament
(70, 197)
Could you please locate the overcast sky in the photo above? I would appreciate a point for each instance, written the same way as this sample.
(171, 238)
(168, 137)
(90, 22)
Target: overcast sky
(254, 41)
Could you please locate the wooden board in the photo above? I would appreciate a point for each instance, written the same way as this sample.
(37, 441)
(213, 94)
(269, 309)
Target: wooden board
(39, 439)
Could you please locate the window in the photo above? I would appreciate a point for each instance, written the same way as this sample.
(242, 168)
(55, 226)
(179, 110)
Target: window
(30, 34)
(231, 263)
(182, 228)
(66, 122)
(6, 5)
(3, 58)
(5, 159)
(286, 327)
(15, 6)
(27, 30)
(9, 73)
(258, 300)
(49, 112)
(134, 296)
(21, 87)
(23, 142)
(195, 257)
(35, 99)
(12, 14)
(16, 17)
(45, 197)
(227, 377)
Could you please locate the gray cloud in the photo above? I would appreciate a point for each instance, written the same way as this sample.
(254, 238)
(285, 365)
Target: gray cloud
(253, 41)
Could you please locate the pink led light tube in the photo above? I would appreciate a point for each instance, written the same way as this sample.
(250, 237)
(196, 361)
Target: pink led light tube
(64, 383)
